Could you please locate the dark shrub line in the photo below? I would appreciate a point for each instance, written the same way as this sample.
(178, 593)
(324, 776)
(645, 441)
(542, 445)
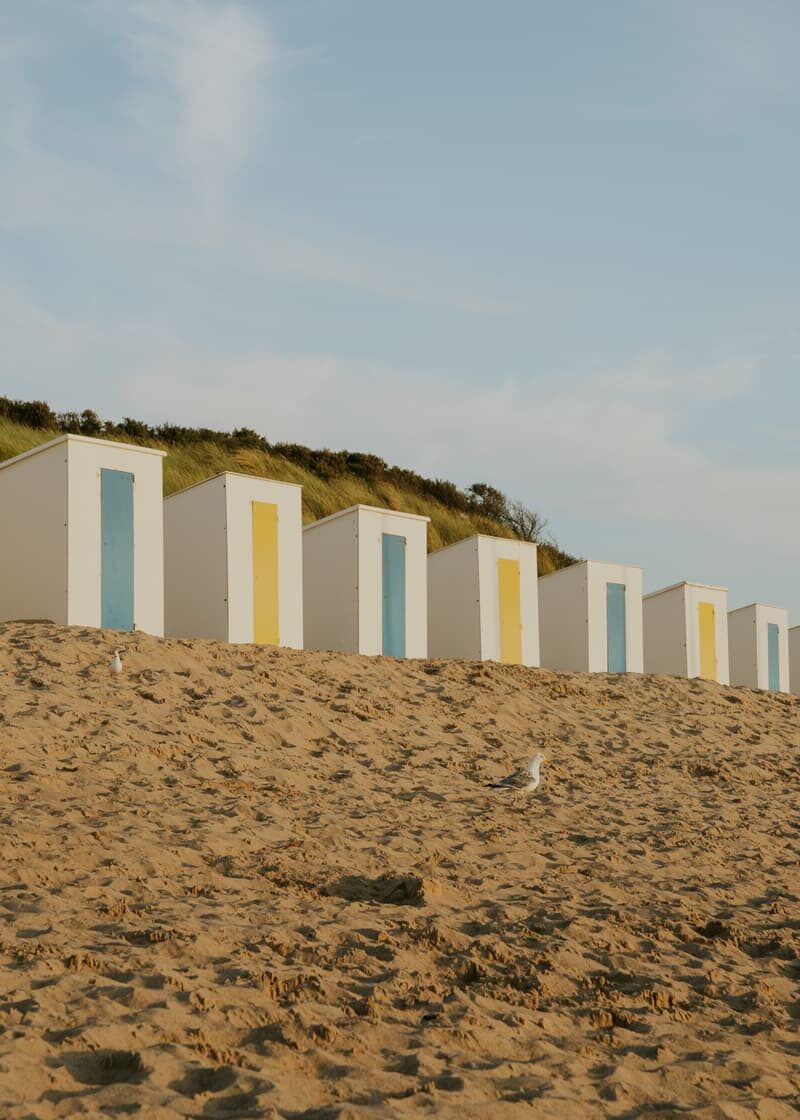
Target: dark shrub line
(480, 498)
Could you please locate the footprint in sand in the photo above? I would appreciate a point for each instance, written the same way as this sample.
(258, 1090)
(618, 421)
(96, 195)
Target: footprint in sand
(104, 1067)
(205, 1080)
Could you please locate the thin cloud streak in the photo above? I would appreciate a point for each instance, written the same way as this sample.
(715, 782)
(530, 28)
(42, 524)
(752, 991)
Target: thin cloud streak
(569, 441)
(729, 58)
(180, 67)
(603, 422)
(205, 69)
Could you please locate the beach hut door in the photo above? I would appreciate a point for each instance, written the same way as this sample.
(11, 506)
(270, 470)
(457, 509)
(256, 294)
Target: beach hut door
(510, 612)
(116, 562)
(393, 557)
(774, 656)
(617, 658)
(708, 641)
(265, 574)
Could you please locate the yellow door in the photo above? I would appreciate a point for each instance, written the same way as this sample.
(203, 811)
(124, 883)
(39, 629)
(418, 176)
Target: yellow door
(265, 574)
(510, 612)
(708, 640)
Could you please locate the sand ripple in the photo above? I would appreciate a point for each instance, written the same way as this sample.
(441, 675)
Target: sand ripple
(243, 883)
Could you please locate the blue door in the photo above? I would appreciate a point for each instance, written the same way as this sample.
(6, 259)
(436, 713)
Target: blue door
(774, 656)
(615, 628)
(393, 558)
(116, 564)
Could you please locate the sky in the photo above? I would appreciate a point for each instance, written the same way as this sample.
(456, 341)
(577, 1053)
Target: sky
(552, 247)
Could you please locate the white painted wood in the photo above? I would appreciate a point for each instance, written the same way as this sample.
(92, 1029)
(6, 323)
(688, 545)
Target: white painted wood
(743, 646)
(794, 660)
(330, 584)
(564, 619)
(573, 631)
(86, 458)
(241, 491)
(33, 551)
(672, 633)
(599, 575)
(695, 595)
(50, 510)
(454, 617)
(490, 550)
(342, 580)
(665, 632)
(211, 595)
(196, 562)
(749, 649)
(463, 599)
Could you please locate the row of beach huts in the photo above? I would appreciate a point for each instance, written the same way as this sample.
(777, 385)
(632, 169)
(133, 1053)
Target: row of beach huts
(88, 539)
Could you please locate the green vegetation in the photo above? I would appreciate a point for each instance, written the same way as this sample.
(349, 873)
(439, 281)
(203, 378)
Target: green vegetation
(331, 480)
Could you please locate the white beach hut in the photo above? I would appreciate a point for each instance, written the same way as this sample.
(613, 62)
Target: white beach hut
(758, 643)
(234, 561)
(483, 601)
(83, 536)
(590, 618)
(794, 660)
(686, 631)
(365, 582)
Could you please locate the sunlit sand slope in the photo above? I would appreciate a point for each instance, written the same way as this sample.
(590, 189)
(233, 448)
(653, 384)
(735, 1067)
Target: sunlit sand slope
(249, 883)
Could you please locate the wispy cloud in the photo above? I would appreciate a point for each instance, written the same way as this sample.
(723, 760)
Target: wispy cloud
(745, 45)
(136, 272)
(204, 68)
(198, 99)
(593, 441)
(668, 379)
(721, 60)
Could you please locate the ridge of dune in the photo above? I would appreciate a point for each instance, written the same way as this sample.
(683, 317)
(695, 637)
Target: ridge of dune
(247, 882)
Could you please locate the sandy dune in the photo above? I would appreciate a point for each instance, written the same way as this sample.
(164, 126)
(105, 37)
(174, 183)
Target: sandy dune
(247, 883)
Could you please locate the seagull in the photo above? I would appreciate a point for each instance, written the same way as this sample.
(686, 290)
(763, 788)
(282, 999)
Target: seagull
(115, 664)
(523, 781)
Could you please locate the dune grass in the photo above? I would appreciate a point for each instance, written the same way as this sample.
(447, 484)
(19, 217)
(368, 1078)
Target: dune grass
(16, 438)
(187, 464)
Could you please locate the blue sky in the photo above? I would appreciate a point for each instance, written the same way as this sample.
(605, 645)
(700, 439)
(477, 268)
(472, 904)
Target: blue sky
(548, 246)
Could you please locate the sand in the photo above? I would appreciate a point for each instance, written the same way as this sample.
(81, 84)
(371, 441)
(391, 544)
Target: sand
(262, 883)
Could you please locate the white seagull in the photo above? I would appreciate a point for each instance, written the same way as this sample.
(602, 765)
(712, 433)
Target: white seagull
(115, 664)
(523, 781)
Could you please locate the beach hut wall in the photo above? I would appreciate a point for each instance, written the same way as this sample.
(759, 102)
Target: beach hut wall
(483, 601)
(233, 561)
(794, 660)
(758, 643)
(686, 631)
(590, 618)
(365, 582)
(83, 537)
